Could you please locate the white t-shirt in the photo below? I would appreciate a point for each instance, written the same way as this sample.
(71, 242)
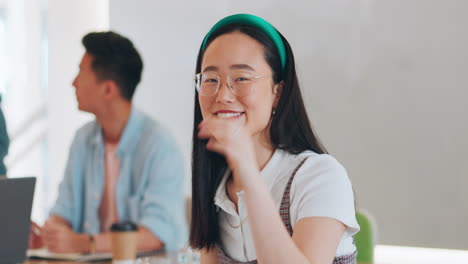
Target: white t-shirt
(321, 188)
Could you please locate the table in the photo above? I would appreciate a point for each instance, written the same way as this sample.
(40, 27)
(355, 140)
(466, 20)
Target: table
(153, 259)
(383, 254)
(158, 257)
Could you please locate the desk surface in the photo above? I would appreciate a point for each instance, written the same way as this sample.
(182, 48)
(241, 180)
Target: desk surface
(152, 260)
(147, 260)
(383, 255)
(61, 262)
(105, 262)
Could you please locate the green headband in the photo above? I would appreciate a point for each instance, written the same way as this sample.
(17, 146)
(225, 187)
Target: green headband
(259, 23)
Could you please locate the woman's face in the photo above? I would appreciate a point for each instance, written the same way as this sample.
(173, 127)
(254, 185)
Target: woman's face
(238, 55)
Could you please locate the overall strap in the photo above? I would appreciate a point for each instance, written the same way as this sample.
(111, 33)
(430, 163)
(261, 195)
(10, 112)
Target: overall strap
(285, 201)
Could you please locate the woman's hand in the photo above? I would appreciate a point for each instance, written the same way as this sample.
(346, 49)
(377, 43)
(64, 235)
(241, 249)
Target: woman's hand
(230, 139)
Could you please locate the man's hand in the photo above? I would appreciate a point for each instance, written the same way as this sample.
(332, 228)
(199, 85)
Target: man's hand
(60, 238)
(35, 239)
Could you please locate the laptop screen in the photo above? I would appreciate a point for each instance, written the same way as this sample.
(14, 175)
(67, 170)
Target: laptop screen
(16, 197)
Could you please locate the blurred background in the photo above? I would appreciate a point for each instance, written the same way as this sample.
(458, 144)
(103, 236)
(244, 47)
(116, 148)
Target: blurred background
(385, 84)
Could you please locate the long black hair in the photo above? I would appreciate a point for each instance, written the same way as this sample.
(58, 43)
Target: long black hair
(290, 130)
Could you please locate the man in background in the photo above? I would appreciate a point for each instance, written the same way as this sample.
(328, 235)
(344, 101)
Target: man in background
(121, 166)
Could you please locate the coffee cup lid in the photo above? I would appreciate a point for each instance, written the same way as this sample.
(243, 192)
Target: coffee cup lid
(124, 226)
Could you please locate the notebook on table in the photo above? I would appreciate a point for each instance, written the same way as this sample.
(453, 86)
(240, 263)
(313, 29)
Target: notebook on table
(43, 253)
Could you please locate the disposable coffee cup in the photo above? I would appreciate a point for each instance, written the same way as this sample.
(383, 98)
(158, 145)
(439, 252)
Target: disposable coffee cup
(124, 242)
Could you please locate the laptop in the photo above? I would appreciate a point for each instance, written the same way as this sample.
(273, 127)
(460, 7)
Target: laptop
(16, 197)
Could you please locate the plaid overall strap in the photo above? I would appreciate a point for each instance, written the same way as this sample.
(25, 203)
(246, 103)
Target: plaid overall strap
(284, 212)
(285, 216)
(286, 201)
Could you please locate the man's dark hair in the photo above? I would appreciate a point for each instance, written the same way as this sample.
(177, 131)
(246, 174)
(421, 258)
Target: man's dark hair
(115, 58)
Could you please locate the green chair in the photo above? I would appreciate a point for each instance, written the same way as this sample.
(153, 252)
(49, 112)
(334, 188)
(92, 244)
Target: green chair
(365, 238)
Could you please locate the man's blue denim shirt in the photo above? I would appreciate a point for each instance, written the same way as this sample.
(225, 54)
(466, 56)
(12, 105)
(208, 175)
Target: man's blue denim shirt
(149, 188)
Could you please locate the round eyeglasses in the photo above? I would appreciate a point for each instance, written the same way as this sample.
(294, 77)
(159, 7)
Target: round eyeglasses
(240, 83)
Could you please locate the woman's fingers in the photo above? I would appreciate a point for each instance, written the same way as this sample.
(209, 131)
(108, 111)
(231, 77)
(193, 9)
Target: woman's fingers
(215, 146)
(222, 130)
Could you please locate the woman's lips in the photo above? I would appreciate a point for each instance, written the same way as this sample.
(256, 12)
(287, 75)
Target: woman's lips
(227, 114)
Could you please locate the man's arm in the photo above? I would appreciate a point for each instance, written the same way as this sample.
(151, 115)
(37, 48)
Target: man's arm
(58, 220)
(58, 232)
(147, 241)
(70, 190)
(162, 206)
(58, 236)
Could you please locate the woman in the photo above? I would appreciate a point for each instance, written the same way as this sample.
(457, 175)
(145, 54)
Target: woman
(263, 188)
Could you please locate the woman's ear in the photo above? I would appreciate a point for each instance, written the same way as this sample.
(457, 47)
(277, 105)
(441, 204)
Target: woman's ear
(277, 91)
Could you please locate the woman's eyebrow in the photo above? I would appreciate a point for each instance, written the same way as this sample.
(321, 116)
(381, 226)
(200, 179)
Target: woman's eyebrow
(210, 68)
(241, 67)
(233, 67)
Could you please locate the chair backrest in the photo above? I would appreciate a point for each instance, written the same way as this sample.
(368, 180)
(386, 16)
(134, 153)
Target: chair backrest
(365, 238)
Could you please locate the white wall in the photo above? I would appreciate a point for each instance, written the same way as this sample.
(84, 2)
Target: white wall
(384, 82)
(68, 22)
(21, 86)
